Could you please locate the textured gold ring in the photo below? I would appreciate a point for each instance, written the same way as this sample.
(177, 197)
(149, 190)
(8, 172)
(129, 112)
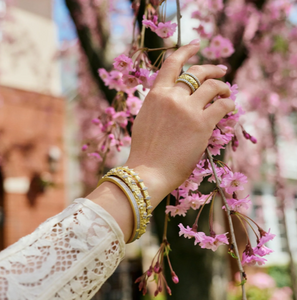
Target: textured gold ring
(190, 80)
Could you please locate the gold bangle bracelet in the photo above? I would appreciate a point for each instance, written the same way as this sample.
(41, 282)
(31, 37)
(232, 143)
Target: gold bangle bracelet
(128, 193)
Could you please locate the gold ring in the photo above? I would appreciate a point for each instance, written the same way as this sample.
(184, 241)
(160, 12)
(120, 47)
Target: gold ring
(190, 80)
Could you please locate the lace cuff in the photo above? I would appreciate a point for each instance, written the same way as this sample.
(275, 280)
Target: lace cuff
(69, 256)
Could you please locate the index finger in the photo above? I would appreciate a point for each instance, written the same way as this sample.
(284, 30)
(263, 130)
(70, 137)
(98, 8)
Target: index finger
(173, 64)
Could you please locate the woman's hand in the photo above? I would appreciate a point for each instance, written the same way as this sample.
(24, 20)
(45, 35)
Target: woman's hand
(172, 129)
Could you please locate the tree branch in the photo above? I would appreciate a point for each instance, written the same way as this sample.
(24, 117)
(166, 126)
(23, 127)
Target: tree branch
(233, 239)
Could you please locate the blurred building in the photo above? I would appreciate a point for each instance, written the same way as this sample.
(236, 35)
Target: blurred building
(32, 120)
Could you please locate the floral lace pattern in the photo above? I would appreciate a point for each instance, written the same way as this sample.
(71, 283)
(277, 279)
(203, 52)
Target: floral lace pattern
(69, 256)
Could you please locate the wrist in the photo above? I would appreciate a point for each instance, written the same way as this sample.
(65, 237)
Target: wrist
(153, 179)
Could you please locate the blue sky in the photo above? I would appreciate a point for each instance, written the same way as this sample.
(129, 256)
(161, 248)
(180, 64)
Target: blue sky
(66, 29)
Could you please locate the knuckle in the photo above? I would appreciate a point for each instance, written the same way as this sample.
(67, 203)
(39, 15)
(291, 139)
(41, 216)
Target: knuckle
(196, 69)
(226, 105)
(212, 84)
(172, 60)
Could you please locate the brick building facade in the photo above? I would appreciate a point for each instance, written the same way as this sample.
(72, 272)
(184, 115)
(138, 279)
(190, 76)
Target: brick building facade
(32, 161)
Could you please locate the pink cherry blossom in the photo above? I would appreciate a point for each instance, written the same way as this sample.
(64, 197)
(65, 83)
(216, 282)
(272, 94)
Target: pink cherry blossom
(110, 111)
(234, 90)
(126, 141)
(165, 30)
(123, 64)
(232, 182)
(222, 46)
(219, 47)
(186, 232)
(219, 171)
(262, 281)
(115, 80)
(180, 209)
(215, 149)
(213, 243)
(121, 118)
(209, 53)
(189, 185)
(196, 14)
(201, 170)
(262, 251)
(215, 5)
(149, 24)
(201, 31)
(134, 104)
(252, 260)
(237, 204)
(217, 138)
(144, 75)
(195, 201)
(104, 75)
(265, 238)
(130, 81)
(152, 79)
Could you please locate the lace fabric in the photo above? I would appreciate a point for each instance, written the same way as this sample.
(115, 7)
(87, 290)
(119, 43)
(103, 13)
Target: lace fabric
(69, 256)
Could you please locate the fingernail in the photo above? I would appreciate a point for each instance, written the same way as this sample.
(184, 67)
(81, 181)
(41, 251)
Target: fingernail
(224, 68)
(195, 42)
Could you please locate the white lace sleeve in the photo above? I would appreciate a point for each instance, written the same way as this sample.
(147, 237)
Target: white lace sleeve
(69, 256)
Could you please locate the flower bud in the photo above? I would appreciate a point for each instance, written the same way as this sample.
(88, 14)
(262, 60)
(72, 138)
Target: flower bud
(253, 140)
(174, 277)
(95, 121)
(149, 272)
(246, 135)
(157, 268)
(168, 290)
(84, 147)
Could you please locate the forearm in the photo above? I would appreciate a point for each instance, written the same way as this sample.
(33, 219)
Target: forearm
(114, 201)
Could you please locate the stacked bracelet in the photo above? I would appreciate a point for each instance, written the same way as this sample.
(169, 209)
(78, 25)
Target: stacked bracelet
(136, 192)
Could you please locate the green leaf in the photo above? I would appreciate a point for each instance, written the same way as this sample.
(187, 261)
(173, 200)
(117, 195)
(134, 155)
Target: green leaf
(242, 282)
(233, 255)
(167, 250)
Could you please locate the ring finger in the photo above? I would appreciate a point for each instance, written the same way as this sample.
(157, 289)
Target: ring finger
(202, 72)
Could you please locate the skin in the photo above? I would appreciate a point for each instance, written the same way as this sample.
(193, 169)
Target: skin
(170, 133)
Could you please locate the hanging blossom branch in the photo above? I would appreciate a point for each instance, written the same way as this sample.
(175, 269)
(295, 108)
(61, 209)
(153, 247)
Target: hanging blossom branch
(232, 233)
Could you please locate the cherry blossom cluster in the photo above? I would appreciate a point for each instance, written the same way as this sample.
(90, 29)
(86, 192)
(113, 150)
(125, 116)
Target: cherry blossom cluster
(163, 30)
(155, 271)
(127, 75)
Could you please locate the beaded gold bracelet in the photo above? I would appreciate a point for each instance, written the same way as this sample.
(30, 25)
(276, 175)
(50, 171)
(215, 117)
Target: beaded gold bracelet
(129, 179)
(143, 188)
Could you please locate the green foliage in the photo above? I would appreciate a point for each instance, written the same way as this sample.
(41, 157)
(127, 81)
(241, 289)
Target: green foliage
(233, 254)
(167, 250)
(280, 44)
(149, 297)
(280, 274)
(242, 282)
(253, 293)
